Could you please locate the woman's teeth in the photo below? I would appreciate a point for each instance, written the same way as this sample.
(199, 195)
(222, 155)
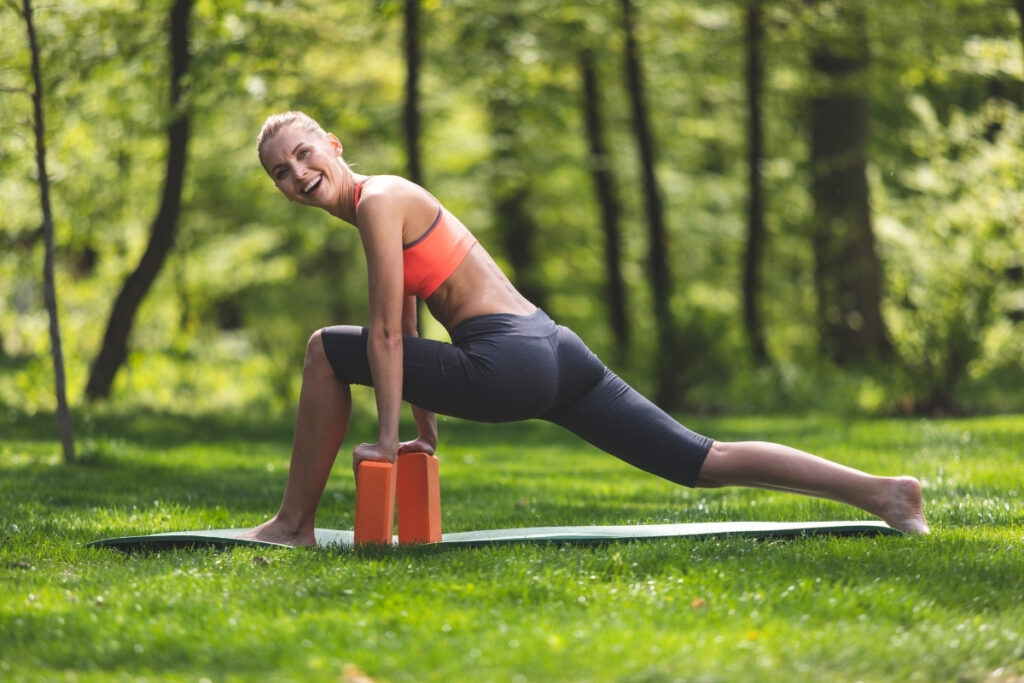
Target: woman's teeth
(312, 184)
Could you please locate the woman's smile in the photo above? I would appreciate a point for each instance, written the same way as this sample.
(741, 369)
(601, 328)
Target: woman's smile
(313, 185)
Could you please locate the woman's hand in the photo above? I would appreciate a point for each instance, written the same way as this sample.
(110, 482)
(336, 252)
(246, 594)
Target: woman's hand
(372, 452)
(420, 444)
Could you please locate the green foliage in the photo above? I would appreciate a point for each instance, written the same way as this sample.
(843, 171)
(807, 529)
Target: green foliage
(936, 608)
(952, 244)
(251, 276)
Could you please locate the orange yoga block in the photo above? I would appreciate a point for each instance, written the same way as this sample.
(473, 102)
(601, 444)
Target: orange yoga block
(375, 503)
(419, 499)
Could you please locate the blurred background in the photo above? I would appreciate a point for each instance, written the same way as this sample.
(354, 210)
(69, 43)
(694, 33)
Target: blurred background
(740, 206)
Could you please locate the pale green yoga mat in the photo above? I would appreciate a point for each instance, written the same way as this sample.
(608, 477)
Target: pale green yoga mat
(545, 534)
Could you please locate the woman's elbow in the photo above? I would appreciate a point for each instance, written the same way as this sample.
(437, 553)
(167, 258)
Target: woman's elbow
(386, 336)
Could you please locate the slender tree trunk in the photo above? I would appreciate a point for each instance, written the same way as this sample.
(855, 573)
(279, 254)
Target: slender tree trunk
(411, 113)
(165, 225)
(50, 288)
(666, 390)
(756, 234)
(510, 187)
(607, 197)
(411, 117)
(1020, 23)
(1016, 273)
(518, 230)
(848, 272)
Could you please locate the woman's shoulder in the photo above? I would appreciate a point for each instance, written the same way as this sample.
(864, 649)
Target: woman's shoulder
(392, 187)
(385, 199)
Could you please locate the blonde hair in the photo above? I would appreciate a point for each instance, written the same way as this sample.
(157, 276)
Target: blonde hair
(275, 123)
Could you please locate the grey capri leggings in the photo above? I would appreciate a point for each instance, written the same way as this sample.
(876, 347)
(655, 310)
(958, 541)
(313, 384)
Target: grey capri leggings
(504, 368)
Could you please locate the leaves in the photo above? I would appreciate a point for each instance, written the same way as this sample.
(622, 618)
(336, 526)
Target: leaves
(946, 85)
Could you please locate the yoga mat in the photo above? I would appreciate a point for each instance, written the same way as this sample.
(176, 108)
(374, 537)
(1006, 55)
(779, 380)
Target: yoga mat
(327, 538)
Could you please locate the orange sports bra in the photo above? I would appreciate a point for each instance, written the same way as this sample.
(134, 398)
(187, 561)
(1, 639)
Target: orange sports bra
(432, 258)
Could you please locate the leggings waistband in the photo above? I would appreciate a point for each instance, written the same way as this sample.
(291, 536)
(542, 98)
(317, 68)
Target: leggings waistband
(536, 324)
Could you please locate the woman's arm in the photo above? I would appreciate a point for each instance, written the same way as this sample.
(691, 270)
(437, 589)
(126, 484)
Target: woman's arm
(426, 421)
(380, 227)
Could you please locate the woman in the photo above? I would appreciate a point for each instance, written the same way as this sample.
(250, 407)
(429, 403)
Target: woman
(507, 360)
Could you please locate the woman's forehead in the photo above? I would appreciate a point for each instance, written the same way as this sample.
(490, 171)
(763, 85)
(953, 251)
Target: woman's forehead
(285, 142)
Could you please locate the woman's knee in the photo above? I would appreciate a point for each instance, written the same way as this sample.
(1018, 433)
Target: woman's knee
(316, 358)
(712, 473)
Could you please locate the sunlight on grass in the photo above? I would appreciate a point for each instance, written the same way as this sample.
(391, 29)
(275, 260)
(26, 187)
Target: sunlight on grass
(889, 608)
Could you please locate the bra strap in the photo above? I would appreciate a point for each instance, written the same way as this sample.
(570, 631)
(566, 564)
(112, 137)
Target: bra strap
(359, 191)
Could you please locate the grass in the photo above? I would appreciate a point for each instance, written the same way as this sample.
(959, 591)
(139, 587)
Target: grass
(945, 607)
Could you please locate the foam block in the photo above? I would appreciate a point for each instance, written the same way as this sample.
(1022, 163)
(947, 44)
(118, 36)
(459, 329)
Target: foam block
(419, 499)
(375, 503)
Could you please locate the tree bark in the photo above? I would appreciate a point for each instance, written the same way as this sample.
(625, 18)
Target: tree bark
(510, 187)
(518, 230)
(411, 114)
(164, 228)
(753, 320)
(848, 272)
(50, 288)
(1020, 24)
(607, 197)
(666, 388)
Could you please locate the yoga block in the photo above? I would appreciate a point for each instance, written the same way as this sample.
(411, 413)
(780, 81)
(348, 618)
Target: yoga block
(419, 499)
(375, 503)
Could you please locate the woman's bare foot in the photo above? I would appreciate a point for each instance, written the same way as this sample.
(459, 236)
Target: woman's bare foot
(275, 531)
(902, 506)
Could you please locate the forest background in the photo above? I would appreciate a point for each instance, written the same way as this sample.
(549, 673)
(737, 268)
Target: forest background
(780, 205)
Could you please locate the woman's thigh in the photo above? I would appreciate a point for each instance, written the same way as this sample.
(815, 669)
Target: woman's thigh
(619, 420)
(500, 379)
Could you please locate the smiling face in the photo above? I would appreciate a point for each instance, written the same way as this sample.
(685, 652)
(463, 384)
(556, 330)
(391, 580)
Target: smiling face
(305, 165)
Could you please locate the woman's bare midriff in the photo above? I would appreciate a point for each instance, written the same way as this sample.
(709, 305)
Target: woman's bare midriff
(477, 287)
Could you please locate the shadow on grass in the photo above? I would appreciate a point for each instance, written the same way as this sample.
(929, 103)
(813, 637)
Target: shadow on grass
(139, 457)
(160, 488)
(149, 428)
(126, 482)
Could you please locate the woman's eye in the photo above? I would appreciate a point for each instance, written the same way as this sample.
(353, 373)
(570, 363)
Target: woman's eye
(280, 174)
(302, 153)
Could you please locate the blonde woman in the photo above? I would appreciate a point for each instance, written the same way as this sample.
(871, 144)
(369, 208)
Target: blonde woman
(507, 361)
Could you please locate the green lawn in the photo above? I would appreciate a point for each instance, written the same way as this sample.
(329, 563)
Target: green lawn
(945, 607)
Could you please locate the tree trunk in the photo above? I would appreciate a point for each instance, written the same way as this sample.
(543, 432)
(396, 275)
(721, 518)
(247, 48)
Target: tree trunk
(411, 113)
(518, 231)
(1020, 23)
(165, 225)
(50, 288)
(848, 273)
(510, 186)
(666, 389)
(756, 235)
(607, 197)
(411, 117)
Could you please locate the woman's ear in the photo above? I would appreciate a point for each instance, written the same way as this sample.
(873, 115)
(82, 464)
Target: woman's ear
(335, 143)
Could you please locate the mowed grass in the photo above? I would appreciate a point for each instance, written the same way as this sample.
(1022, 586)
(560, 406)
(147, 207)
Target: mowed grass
(946, 607)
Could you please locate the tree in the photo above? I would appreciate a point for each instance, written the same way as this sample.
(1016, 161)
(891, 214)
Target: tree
(666, 390)
(506, 110)
(607, 198)
(847, 270)
(164, 228)
(411, 118)
(1020, 15)
(752, 318)
(39, 126)
(411, 112)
